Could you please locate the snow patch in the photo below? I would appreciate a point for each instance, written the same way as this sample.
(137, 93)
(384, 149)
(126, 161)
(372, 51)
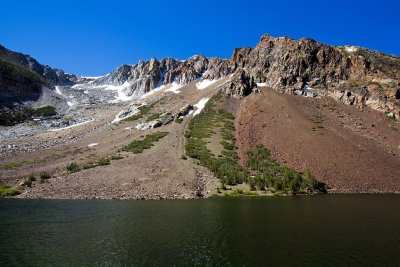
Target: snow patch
(58, 91)
(92, 77)
(78, 86)
(261, 84)
(152, 91)
(351, 49)
(92, 144)
(174, 88)
(119, 88)
(204, 84)
(200, 105)
(69, 127)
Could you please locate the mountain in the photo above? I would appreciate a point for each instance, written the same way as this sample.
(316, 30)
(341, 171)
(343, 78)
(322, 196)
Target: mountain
(284, 117)
(352, 75)
(22, 78)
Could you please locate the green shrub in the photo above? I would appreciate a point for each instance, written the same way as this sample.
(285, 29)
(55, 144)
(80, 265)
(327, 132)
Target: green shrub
(89, 165)
(73, 167)
(153, 117)
(28, 181)
(8, 191)
(103, 161)
(45, 111)
(117, 157)
(44, 175)
(138, 146)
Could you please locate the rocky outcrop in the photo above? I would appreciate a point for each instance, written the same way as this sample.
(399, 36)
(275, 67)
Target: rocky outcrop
(164, 119)
(286, 63)
(241, 84)
(352, 75)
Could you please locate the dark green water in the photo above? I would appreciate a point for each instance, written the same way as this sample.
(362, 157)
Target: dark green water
(330, 230)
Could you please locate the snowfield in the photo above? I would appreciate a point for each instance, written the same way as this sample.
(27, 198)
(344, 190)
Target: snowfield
(204, 84)
(174, 88)
(200, 106)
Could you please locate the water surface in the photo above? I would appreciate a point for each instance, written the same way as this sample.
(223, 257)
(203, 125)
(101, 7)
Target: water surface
(329, 230)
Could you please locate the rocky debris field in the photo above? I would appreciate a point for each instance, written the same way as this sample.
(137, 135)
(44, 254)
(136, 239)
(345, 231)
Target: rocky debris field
(352, 150)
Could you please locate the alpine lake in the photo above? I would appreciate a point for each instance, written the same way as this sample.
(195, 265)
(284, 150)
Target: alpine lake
(322, 230)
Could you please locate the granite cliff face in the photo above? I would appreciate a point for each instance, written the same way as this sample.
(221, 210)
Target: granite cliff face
(147, 75)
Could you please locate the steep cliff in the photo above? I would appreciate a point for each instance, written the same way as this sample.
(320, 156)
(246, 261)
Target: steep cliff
(353, 75)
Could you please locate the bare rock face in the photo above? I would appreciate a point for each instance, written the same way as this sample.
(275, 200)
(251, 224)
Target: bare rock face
(352, 75)
(285, 63)
(241, 84)
(147, 75)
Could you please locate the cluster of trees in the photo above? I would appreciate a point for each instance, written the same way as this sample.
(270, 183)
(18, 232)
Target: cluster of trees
(270, 174)
(203, 126)
(12, 117)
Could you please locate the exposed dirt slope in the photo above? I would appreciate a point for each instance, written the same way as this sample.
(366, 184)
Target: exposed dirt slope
(351, 150)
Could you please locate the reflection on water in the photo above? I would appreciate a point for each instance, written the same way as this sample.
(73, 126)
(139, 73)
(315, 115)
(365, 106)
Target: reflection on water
(308, 231)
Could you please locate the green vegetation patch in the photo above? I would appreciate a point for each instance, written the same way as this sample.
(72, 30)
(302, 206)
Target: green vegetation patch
(28, 181)
(264, 172)
(203, 126)
(73, 167)
(13, 117)
(143, 110)
(12, 165)
(8, 191)
(317, 119)
(153, 117)
(46, 111)
(138, 146)
(271, 175)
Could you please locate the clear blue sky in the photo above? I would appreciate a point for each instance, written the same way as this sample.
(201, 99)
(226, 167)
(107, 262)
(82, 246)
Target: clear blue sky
(94, 37)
